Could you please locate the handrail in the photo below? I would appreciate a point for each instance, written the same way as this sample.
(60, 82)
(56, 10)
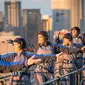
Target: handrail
(55, 79)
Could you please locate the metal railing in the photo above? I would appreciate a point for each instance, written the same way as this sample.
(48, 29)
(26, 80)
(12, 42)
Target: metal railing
(56, 79)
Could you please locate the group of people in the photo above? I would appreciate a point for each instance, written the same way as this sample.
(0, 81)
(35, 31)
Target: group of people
(69, 48)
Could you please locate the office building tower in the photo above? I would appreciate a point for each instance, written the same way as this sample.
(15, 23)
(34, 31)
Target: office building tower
(13, 17)
(66, 14)
(31, 24)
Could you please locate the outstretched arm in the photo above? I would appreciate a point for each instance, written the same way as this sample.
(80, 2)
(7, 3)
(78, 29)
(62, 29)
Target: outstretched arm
(32, 60)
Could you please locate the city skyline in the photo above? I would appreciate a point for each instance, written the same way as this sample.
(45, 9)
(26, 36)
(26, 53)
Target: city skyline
(43, 5)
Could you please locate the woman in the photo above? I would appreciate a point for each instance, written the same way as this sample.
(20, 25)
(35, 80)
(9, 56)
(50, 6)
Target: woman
(71, 53)
(24, 61)
(44, 47)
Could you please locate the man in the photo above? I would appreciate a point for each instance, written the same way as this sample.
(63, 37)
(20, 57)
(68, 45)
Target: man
(67, 41)
(17, 61)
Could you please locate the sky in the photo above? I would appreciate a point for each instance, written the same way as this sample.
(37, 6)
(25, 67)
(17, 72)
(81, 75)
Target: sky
(44, 5)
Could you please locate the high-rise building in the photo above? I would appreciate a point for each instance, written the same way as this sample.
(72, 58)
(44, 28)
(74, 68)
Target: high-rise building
(1, 16)
(31, 24)
(83, 16)
(47, 24)
(1, 22)
(13, 17)
(66, 14)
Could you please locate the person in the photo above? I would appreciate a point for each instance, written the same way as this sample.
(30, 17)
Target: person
(83, 49)
(83, 72)
(70, 53)
(58, 37)
(67, 41)
(44, 47)
(75, 31)
(23, 61)
(83, 38)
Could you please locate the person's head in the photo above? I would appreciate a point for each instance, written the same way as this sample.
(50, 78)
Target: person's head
(42, 37)
(75, 31)
(67, 39)
(19, 44)
(63, 32)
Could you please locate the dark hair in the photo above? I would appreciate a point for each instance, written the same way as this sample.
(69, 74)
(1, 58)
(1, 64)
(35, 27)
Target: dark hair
(44, 33)
(68, 36)
(21, 41)
(76, 28)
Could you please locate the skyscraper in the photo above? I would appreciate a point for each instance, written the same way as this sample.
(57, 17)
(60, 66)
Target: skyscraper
(66, 13)
(1, 22)
(83, 16)
(13, 17)
(47, 24)
(31, 24)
